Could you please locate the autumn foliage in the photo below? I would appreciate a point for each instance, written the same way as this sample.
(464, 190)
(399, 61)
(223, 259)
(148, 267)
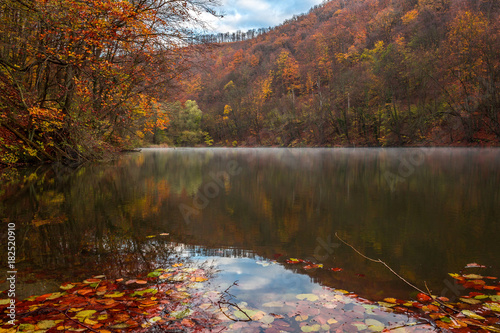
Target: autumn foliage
(361, 72)
(81, 78)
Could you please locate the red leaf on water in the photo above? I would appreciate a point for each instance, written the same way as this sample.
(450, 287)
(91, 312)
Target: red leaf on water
(293, 261)
(421, 297)
(475, 293)
(417, 305)
(187, 322)
(336, 269)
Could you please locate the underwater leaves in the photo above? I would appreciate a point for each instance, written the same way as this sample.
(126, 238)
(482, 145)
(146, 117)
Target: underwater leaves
(309, 297)
(113, 305)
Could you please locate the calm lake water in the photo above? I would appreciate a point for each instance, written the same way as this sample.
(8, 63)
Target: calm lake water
(425, 212)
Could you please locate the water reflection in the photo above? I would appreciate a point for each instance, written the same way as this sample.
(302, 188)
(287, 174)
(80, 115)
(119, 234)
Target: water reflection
(425, 212)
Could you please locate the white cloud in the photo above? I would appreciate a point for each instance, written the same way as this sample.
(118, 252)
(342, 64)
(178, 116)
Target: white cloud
(253, 14)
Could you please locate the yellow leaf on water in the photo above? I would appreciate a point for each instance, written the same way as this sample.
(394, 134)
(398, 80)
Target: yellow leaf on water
(301, 317)
(309, 297)
(56, 295)
(471, 301)
(67, 286)
(102, 317)
(493, 306)
(373, 322)
(82, 315)
(200, 279)
(90, 322)
(115, 294)
(472, 315)
(45, 324)
(313, 328)
(154, 319)
(75, 309)
(387, 305)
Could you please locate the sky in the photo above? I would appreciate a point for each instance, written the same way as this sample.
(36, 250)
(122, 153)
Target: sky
(247, 14)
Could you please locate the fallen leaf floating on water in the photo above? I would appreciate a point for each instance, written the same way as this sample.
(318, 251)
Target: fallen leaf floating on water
(336, 269)
(421, 297)
(472, 276)
(309, 297)
(294, 261)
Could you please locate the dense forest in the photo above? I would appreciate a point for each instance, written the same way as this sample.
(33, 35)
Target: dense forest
(359, 72)
(81, 79)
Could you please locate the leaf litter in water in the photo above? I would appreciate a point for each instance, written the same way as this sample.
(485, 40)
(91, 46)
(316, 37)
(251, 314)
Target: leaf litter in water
(114, 305)
(166, 300)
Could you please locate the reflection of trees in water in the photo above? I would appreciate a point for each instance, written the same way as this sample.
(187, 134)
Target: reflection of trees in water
(182, 171)
(84, 222)
(283, 200)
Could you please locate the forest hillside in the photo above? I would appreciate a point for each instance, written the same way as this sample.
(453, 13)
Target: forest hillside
(358, 72)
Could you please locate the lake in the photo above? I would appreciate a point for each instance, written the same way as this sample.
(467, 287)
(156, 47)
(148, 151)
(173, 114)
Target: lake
(424, 212)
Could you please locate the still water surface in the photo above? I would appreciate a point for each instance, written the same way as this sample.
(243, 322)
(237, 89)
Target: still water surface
(425, 212)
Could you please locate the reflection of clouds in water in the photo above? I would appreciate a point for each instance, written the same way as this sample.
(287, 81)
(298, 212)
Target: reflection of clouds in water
(262, 280)
(273, 288)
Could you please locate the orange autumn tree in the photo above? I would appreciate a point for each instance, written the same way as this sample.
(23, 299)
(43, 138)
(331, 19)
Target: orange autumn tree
(82, 77)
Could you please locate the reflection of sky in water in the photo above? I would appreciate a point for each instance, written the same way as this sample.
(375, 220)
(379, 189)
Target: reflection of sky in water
(262, 282)
(258, 281)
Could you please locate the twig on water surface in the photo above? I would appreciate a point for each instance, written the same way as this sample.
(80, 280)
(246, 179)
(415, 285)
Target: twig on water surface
(409, 325)
(428, 292)
(438, 300)
(383, 263)
(431, 322)
(223, 300)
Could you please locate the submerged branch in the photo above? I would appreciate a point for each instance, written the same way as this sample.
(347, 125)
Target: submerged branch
(223, 300)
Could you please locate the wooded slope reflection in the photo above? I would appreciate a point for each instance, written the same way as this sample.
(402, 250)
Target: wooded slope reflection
(425, 219)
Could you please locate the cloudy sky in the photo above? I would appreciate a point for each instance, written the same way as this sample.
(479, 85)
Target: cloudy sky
(248, 14)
